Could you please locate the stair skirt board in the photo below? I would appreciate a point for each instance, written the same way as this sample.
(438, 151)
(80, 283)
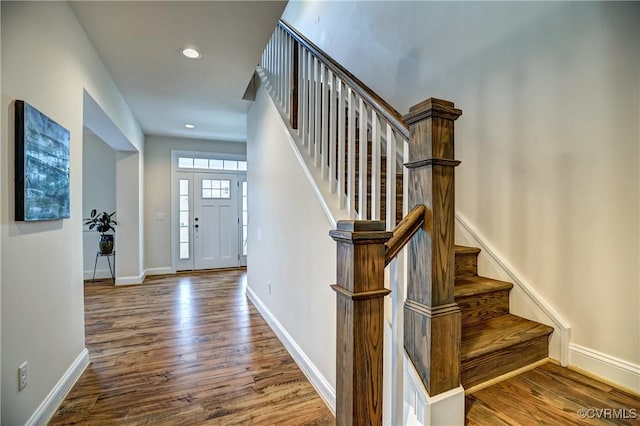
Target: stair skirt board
(537, 308)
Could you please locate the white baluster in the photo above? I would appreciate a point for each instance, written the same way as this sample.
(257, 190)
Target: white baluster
(405, 178)
(289, 74)
(283, 65)
(391, 178)
(276, 64)
(333, 140)
(304, 89)
(317, 120)
(351, 167)
(300, 110)
(341, 143)
(282, 72)
(362, 181)
(375, 167)
(312, 103)
(326, 87)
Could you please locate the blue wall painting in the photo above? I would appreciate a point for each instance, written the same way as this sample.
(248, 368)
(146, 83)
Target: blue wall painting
(42, 166)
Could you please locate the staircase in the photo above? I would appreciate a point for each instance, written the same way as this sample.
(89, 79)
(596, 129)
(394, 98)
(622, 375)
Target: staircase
(331, 114)
(494, 342)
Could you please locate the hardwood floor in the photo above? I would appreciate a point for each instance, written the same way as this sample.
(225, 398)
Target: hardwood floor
(551, 395)
(190, 349)
(183, 350)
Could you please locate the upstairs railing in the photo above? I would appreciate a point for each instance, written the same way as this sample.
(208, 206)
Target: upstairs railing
(352, 139)
(351, 136)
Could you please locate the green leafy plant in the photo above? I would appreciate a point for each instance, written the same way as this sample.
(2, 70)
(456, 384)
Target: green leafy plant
(101, 221)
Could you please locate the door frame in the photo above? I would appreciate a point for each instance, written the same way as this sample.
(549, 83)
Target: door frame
(175, 232)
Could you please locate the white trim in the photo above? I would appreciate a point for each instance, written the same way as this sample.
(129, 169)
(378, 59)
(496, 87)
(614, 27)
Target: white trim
(446, 408)
(616, 370)
(133, 279)
(319, 382)
(168, 270)
(48, 407)
(175, 153)
(561, 326)
(306, 168)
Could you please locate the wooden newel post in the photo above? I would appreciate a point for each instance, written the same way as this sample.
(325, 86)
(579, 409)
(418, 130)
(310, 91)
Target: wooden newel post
(432, 318)
(360, 314)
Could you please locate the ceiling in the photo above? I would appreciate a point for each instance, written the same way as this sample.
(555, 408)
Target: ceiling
(139, 42)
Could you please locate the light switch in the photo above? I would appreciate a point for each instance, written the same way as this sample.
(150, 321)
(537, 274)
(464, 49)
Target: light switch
(159, 216)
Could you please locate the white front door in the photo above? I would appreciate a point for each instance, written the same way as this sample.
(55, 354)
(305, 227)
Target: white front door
(215, 221)
(208, 220)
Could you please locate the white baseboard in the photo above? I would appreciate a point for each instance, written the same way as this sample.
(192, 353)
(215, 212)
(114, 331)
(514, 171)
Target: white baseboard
(48, 407)
(159, 271)
(561, 337)
(319, 382)
(617, 371)
(130, 280)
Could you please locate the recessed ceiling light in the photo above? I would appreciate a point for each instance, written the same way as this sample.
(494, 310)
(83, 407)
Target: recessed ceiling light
(191, 53)
(190, 126)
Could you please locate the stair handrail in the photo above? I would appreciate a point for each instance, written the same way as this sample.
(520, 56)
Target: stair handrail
(404, 231)
(383, 108)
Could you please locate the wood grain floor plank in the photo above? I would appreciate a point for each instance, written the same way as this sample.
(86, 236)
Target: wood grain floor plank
(551, 395)
(185, 350)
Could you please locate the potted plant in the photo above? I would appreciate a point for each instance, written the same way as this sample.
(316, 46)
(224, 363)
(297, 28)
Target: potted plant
(102, 222)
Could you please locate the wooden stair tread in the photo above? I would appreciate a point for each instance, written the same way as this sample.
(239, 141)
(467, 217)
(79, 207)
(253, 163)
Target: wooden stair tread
(465, 250)
(498, 333)
(475, 285)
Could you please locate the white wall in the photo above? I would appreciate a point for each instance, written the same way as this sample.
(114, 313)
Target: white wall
(157, 193)
(47, 61)
(549, 137)
(98, 192)
(288, 244)
(128, 205)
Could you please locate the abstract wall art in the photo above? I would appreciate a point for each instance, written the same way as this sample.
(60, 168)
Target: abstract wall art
(42, 166)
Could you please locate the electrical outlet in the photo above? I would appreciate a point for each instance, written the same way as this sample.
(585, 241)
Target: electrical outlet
(22, 376)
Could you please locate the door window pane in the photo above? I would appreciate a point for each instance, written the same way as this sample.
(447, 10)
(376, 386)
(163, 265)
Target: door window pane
(184, 250)
(242, 165)
(184, 202)
(200, 163)
(230, 165)
(185, 162)
(216, 164)
(184, 187)
(216, 188)
(245, 218)
(183, 225)
(184, 234)
(184, 218)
